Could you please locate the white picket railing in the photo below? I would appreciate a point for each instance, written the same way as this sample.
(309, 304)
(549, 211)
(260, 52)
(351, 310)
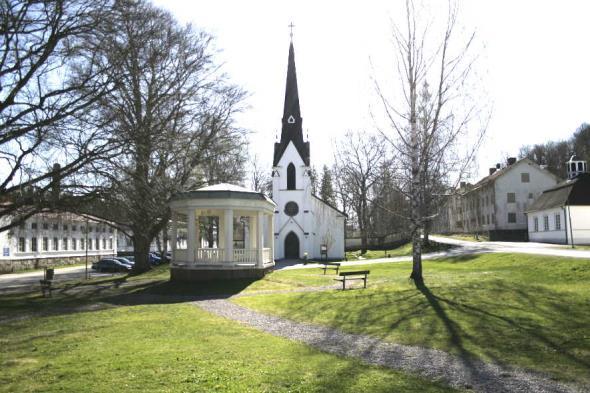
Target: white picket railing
(210, 255)
(266, 257)
(245, 255)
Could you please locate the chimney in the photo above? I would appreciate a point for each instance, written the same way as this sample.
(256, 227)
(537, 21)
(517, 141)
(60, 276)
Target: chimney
(462, 184)
(498, 166)
(511, 160)
(492, 170)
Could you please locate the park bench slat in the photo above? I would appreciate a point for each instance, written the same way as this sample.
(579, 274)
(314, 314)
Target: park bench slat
(356, 275)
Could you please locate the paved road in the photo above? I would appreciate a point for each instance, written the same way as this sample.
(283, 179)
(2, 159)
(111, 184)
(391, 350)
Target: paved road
(17, 282)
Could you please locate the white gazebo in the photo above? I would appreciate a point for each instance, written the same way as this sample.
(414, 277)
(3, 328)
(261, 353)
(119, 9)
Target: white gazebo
(221, 231)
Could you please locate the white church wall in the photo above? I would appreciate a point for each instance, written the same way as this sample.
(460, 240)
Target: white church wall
(328, 229)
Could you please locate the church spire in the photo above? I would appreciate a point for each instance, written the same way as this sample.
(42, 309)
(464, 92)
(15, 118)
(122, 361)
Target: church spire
(291, 128)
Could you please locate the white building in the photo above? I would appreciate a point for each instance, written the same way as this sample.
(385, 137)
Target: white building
(50, 239)
(562, 213)
(496, 205)
(304, 223)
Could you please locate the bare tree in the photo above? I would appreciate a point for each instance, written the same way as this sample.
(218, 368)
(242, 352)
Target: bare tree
(260, 179)
(358, 159)
(434, 133)
(47, 80)
(172, 113)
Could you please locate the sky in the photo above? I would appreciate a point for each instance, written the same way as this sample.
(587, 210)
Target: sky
(533, 65)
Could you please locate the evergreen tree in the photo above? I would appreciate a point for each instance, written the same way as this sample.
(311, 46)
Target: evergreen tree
(326, 188)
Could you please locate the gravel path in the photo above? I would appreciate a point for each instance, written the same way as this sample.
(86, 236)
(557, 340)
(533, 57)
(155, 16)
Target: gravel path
(429, 363)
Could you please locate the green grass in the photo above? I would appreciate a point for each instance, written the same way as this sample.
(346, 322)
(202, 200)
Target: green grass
(174, 348)
(467, 237)
(401, 251)
(523, 310)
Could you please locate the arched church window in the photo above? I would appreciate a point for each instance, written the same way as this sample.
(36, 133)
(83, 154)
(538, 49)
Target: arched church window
(291, 177)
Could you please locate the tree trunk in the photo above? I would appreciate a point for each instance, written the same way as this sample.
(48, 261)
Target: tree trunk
(141, 246)
(426, 237)
(416, 258)
(165, 243)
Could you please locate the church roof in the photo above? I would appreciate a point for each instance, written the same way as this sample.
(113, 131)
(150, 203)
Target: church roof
(573, 192)
(291, 130)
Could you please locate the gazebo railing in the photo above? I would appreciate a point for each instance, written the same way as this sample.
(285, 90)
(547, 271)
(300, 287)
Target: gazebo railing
(266, 257)
(210, 255)
(245, 255)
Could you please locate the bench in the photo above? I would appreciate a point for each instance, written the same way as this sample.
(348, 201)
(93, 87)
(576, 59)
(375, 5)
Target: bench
(46, 287)
(330, 265)
(357, 275)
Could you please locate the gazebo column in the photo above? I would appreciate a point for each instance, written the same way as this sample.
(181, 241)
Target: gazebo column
(197, 235)
(174, 235)
(190, 238)
(228, 227)
(270, 234)
(260, 239)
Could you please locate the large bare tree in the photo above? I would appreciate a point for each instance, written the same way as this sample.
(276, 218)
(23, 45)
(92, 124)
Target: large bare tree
(48, 78)
(172, 112)
(434, 122)
(357, 160)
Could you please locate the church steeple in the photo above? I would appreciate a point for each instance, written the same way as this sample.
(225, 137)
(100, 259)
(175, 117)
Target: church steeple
(291, 123)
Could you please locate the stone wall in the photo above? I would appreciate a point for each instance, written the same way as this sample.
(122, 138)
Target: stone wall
(15, 265)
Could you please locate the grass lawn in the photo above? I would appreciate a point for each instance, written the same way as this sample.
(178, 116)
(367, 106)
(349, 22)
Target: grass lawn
(467, 237)
(174, 348)
(523, 310)
(401, 251)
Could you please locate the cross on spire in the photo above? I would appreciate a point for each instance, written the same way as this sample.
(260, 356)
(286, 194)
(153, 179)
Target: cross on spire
(291, 25)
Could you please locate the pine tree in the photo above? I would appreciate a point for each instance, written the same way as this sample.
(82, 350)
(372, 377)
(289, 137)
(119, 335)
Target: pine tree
(326, 188)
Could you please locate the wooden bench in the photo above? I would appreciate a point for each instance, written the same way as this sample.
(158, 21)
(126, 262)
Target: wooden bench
(330, 265)
(46, 287)
(357, 275)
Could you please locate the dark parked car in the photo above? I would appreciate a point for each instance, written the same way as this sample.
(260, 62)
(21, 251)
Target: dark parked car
(124, 260)
(110, 265)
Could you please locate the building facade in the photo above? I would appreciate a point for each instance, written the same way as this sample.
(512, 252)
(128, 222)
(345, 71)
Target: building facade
(304, 223)
(50, 239)
(496, 205)
(561, 214)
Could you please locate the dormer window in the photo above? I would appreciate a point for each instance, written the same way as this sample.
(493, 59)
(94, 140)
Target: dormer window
(291, 177)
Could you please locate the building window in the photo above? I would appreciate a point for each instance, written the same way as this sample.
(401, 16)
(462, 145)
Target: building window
(34, 244)
(33, 225)
(97, 244)
(104, 244)
(90, 228)
(291, 177)
(545, 223)
(45, 225)
(45, 244)
(291, 209)
(530, 195)
(74, 228)
(65, 227)
(511, 197)
(511, 218)
(21, 244)
(74, 244)
(536, 220)
(90, 244)
(64, 243)
(55, 227)
(557, 222)
(21, 225)
(110, 244)
(82, 245)
(525, 177)
(55, 244)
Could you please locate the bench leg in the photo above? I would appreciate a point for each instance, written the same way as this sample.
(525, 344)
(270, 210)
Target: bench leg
(365, 280)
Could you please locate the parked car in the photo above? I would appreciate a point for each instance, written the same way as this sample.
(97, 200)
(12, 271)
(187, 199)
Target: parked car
(124, 260)
(110, 265)
(154, 259)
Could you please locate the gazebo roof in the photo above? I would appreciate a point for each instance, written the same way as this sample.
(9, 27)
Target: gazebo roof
(222, 190)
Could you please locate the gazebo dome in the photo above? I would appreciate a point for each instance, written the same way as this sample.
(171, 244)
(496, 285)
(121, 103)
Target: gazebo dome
(221, 231)
(575, 166)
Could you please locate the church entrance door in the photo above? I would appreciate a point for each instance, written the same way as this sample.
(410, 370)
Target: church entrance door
(291, 246)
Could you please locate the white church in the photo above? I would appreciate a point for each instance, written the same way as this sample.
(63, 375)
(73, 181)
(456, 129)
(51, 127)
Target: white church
(304, 226)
